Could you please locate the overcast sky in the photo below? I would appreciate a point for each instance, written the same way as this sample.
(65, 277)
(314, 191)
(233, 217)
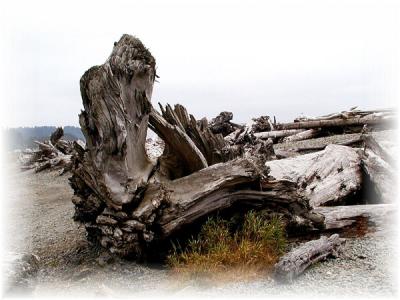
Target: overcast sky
(279, 58)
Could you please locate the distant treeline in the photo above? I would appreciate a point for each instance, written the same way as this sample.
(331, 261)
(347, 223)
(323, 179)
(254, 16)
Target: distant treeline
(23, 137)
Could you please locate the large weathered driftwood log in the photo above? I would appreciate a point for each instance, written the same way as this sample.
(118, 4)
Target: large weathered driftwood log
(294, 263)
(349, 142)
(324, 177)
(129, 202)
(319, 143)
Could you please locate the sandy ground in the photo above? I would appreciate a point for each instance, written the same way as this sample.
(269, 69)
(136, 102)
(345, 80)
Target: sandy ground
(37, 216)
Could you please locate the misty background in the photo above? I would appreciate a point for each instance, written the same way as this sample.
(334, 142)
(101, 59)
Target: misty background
(281, 58)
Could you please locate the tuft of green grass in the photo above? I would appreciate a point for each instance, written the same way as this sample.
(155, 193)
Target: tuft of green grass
(254, 246)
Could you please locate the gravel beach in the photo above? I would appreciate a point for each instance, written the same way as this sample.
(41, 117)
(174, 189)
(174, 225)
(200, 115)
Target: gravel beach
(39, 221)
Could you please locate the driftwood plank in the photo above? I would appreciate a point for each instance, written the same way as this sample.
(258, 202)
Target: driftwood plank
(294, 263)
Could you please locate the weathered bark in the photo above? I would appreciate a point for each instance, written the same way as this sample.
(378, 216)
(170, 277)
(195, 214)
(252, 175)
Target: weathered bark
(294, 263)
(325, 177)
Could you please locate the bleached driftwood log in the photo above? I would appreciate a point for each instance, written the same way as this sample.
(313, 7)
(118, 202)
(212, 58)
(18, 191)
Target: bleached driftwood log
(302, 135)
(351, 113)
(326, 177)
(368, 119)
(316, 144)
(130, 203)
(277, 133)
(342, 217)
(349, 142)
(294, 263)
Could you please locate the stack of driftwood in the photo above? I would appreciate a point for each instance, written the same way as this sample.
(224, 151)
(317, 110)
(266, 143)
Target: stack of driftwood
(52, 154)
(318, 174)
(300, 145)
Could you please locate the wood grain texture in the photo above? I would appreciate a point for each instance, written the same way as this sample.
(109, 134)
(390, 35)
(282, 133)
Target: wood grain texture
(337, 217)
(324, 177)
(114, 122)
(294, 263)
(379, 161)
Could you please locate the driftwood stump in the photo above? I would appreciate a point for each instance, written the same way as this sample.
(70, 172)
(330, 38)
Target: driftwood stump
(130, 203)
